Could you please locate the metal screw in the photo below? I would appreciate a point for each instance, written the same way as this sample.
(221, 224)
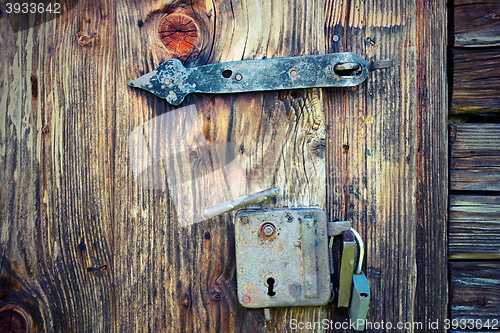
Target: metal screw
(336, 38)
(293, 73)
(246, 299)
(244, 219)
(238, 77)
(268, 229)
(167, 81)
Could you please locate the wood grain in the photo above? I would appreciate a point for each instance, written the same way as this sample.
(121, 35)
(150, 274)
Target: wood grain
(475, 157)
(474, 291)
(55, 168)
(476, 23)
(386, 141)
(474, 227)
(93, 250)
(476, 81)
(85, 247)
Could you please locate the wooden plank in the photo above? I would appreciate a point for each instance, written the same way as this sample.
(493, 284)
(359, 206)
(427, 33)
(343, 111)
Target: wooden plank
(279, 138)
(475, 157)
(476, 81)
(56, 156)
(84, 246)
(476, 23)
(474, 292)
(387, 152)
(474, 227)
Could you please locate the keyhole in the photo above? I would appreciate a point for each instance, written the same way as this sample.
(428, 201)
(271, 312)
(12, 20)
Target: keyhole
(270, 287)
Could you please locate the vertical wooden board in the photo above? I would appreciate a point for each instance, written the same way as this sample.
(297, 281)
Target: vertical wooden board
(154, 258)
(19, 168)
(387, 153)
(56, 231)
(187, 270)
(431, 293)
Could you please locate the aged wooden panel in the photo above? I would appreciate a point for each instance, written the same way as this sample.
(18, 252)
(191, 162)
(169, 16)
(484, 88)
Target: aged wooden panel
(475, 157)
(476, 23)
(86, 248)
(89, 244)
(474, 227)
(476, 81)
(56, 162)
(279, 137)
(387, 152)
(474, 291)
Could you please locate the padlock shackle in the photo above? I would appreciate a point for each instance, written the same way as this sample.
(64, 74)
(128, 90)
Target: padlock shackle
(361, 246)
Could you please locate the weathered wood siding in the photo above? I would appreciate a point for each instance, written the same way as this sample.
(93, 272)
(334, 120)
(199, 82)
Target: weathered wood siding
(475, 294)
(84, 248)
(474, 226)
(475, 157)
(474, 229)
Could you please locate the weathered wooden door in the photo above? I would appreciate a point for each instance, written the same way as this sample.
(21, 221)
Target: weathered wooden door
(88, 247)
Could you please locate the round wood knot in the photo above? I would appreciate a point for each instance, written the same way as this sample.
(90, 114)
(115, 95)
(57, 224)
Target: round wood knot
(14, 319)
(180, 34)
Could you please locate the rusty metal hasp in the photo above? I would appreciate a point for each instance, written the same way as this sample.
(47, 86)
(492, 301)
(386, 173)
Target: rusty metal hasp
(172, 81)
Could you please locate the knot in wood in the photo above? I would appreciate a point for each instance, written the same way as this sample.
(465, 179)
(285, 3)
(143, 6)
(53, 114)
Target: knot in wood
(14, 319)
(180, 34)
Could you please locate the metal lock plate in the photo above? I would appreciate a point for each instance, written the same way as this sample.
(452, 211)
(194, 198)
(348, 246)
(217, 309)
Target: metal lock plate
(282, 257)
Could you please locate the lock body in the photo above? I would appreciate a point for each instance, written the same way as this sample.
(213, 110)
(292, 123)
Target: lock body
(282, 258)
(360, 301)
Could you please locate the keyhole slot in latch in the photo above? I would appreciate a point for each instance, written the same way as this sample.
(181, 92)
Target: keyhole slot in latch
(270, 286)
(348, 69)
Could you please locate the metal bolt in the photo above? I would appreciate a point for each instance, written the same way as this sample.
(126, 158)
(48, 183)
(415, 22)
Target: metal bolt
(268, 229)
(238, 77)
(167, 81)
(336, 38)
(246, 299)
(294, 73)
(244, 219)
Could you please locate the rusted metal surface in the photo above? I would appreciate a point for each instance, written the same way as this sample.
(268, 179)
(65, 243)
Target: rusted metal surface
(282, 257)
(172, 81)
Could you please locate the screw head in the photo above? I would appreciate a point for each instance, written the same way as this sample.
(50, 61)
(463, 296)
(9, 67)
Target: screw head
(246, 299)
(268, 229)
(238, 77)
(294, 73)
(244, 219)
(167, 81)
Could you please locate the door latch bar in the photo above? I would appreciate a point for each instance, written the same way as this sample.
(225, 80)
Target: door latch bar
(173, 82)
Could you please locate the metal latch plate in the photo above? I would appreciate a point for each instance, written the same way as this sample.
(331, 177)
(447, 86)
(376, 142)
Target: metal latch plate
(282, 257)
